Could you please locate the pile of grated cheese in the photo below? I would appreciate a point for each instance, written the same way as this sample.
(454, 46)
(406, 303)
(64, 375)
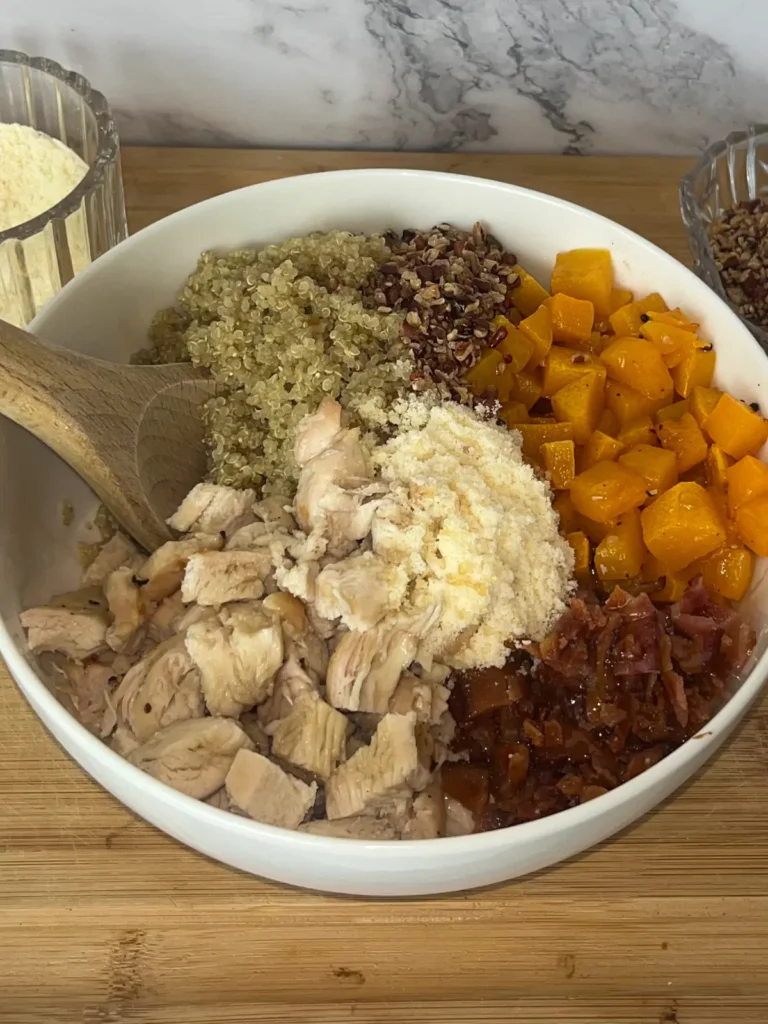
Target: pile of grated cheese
(476, 533)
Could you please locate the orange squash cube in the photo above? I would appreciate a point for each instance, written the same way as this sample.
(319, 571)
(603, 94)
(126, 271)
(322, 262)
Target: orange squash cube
(486, 372)
(638, 364)
(608, 423)
(736, 428)
(619, 555)
(626, 320)
(572, 319)
(657, 466)
(537, 328)
(728, 571)
(746, 479)
(676, 411)
(685, 439)
(581, 553)
(752, 524)
(559, 460)
(563, 366)
(581, 403)
(563, 505)
(682, 525)
(600, 447)
(607, 490)
(525, 388)
(626, 404)
(620, 297)
(513, 413)
(534, 435)
(695, 370)
(672, 341)
(528, 294)
(675, 585)
(675, 317)
(514, 346)
(717, 467)
(639, 431)
(585, 274)
(594, 530)
(702, 401)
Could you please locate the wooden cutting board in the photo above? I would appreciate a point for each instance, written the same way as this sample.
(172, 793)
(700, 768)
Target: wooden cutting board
(104, 919)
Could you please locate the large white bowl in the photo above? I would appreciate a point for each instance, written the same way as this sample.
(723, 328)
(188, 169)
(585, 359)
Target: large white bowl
(105, 311)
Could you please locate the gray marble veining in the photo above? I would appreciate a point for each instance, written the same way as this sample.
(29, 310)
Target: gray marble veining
(575, 76)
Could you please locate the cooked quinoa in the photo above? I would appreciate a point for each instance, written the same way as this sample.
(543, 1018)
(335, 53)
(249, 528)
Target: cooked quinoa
(280, 329)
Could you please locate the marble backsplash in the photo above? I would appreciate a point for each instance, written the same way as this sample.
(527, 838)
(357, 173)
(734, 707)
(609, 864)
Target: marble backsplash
(575, 76)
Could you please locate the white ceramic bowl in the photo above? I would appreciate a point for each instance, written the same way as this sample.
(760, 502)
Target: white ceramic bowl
(105, 311)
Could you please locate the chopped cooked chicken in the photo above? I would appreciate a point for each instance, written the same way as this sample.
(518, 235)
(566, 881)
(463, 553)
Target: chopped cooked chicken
(78, 633)
(412, 694)
(249, 721)
(216, 577)
(266, 793)
(193, 757)
(164, 569)
(116, 553)
(129, 608)
(458, 819)
(317, 432)
(210, 508)
(428, 817)
(357, 826)
(220, 800)
(85, 689)
(383, 769)
(311, 736)
(342, 464)
(360, 590)
(162, 689)
(275, 510)
(365, 668)
(290, 683)
(123, 742)
(238, 652)
(247, 537)
(164, 621)
(301, 642)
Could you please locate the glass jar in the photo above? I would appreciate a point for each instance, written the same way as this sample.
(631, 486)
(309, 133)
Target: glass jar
(39, 257)
(728, 172)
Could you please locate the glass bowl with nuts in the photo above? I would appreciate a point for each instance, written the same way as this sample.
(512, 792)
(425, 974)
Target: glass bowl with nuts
(724, 204)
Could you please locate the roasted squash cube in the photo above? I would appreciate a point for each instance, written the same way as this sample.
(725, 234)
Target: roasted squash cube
(752, 524)
(685, 439)
(619, 555)
(563, 505)
(581, 403)
(657, 466)
(608, 423)
(572, 319)
(525, 388)
(581, 554)
(513, 413)
(626, 320)
(559, 460)
(620, 297)
(600, 447)
(736, 428)
(676, 411)
(746, 479)
(695, 370)
(585, 274)
(626, 404)
(515, 347)
(728, 571)
(527, 295)
(672, 341)
(717, 467)
(702, 401)
(537, 328)
(682, 525)
(639, 431)
(638, 364)
(607, 490)
(486, 372)
(563, 366)
(534, 435)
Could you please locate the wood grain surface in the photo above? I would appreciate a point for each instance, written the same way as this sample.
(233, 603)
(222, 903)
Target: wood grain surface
(104, 919)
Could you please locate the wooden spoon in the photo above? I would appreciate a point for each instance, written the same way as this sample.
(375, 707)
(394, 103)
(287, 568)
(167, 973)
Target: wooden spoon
(133, 433)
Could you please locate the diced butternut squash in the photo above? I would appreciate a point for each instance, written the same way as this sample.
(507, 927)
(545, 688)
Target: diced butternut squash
(746, 479)
(513, 413)
(600, 448)
(752, 524)
(563, 505)
(675, 585)
(671, 341)
(559, 460)
(626, 320)
(676, 317)
(619, 555)
(736, 428)
(594, 530)
(682, 525)
(585, 274)
(572, 319)
(486, 372)
(515, 347)
(534, 435)
(685, 439)
(580, 544)
(528, 294)
(563, 366)
(607, 490)
(702, 401)
(608, 423)
(638, 364)
(695, 370)
(639, 431)
(626, 404)
(676, 411)
(728, 571)
(526, 388)
(537, 328)
(717, 467)
(620, 297)
(657, 466)
(581, 403)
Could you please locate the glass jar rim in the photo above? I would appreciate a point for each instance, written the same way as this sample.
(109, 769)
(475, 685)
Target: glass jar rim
(107, 147)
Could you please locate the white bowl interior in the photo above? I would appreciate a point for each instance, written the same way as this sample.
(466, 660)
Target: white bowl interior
(105, 312)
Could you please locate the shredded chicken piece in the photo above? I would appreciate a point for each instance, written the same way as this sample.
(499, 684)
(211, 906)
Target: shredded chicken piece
(459, 821)
(412, 694)
(164, 621)
(193, 757)
(342, 464)
(85, 689)
(360, 590)
(317, 432)
(276, 512)
(428, 817)
(238, 652)
(75, 632)
(164, 569)
(119, 551)
(266, 793)
(365, 668)
(291, 682)
(302, 644)
(210, 508)
(383, 769)
(129, 608)
(311, 736)
(357, 826)
(217, 577)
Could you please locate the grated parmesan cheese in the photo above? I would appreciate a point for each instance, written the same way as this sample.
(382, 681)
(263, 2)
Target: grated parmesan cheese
(476, 532)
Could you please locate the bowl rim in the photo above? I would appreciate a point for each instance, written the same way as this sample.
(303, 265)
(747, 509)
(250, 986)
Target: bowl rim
(107, 147)
(77, 736)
